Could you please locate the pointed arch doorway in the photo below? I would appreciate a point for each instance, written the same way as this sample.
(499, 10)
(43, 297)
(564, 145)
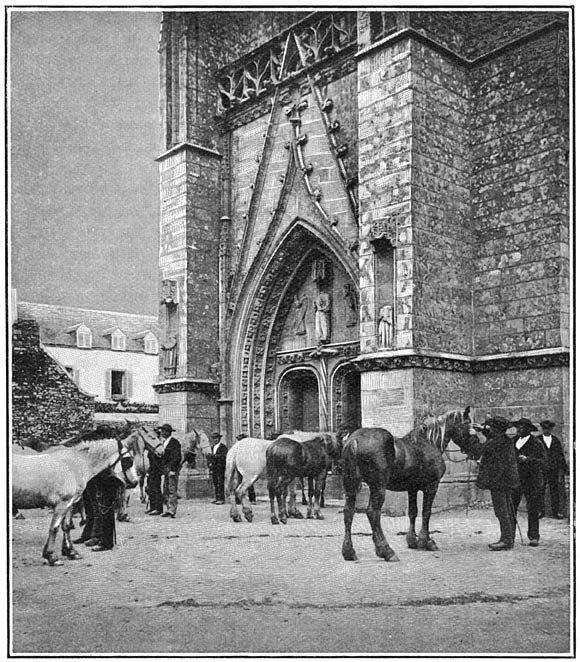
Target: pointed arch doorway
(299, 401)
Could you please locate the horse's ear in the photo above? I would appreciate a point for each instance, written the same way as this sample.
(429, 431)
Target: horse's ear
(467, 414)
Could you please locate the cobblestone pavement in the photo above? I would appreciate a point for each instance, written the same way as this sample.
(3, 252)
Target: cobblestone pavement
(201, 583)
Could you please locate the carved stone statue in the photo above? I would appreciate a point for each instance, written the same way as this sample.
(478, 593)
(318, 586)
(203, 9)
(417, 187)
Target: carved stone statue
(322, 317)
(169, 348)
(215, 371)
(299, 320)
(386, 327)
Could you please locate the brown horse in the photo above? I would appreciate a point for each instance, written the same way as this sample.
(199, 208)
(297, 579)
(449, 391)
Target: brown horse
(411, 464)
(288, 458)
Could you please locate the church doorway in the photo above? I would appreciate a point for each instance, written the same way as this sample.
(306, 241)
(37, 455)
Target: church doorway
(299, 406)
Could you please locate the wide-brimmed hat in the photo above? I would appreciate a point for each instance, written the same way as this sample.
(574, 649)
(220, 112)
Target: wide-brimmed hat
(547, 425)
(526, 426)
(216, 435)
(166, 427)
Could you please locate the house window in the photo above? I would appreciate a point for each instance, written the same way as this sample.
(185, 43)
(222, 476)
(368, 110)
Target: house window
(118, 385)
(118, 341)
(84, 337)
(151, 346)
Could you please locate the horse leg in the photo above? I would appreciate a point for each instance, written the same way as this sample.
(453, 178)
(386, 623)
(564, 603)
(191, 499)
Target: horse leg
(242, 493)
(348, 553)
(304, 501)
(48, 552)
(272, 494)
(318, 482)
(411, 535)
(425, 541)
(292, 508)
(382, 547)
(233, 487)
(282, 495)
(67, 548)
(142, 495)
(311, 494)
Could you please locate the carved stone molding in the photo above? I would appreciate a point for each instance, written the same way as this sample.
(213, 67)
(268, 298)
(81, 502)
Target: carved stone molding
(188, 385)
(474, 366)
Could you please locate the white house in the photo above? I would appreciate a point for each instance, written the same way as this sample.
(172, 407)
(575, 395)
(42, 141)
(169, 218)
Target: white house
(111, 355)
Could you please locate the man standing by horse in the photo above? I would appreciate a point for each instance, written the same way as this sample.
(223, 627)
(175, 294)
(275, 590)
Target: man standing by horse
(217, 465)
(171, 464)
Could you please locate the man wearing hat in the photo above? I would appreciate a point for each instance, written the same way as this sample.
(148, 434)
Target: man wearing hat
(217, 465)
(556, 468)
(531, 459)
(498, 473)
(171, 464)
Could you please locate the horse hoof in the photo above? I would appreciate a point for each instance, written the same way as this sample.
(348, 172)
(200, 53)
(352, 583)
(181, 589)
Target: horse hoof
(19, 516)
(391, 558)
(296, 514)
(274, 520)
(319, 516)
(431, 546)
(348, 554)
(237, 518)
(75, 556)
(283, 520)
(309, 515)
(249, 516)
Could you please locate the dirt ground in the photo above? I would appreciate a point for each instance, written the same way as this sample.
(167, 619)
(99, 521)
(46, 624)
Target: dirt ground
(201, 584)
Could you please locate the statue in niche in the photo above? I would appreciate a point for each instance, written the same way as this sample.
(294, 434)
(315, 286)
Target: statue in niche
(169, 348)
(350, 304)
(386, 327)
(322, 317)
(169, 292)
(215, 371)
(299, 320)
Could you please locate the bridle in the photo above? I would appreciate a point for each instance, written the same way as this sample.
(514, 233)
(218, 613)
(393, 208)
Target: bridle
(126, 462)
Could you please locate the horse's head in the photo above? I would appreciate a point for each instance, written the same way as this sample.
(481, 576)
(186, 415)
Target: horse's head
(332, 444)
(456, 426)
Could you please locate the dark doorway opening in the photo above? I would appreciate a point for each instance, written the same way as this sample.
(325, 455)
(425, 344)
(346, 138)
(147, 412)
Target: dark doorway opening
(299, 402)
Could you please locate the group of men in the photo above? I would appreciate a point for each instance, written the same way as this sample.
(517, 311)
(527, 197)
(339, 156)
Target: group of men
(164, 466)
(516, 461)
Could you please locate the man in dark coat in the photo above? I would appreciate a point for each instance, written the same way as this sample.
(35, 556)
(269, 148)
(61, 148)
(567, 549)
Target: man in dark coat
(531, 459)
(154, 476)
(498, 473)
(171, 464)
(556, 469)
(101, 497)
(217, 465)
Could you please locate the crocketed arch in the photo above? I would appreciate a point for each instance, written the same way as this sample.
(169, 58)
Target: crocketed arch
(260, 319)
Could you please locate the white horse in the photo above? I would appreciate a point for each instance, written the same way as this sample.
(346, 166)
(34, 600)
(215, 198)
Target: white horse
(246, 463)
(57, 480)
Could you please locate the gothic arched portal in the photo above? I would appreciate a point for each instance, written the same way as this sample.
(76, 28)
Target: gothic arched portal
(298, 401)
(301, 313)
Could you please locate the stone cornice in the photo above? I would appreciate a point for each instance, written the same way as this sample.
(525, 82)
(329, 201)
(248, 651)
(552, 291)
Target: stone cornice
(182, 384)
(444, 50)
(192, 146)
(522, 361)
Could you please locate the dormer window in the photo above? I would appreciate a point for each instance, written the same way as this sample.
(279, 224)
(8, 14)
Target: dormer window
(150, 343)
(118, 341)
(84, 337)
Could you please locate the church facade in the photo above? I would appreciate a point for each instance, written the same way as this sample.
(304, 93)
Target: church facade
(364, 218)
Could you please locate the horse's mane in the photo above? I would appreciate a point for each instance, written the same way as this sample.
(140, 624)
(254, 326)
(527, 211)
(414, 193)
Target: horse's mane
(98, 448)
(435, 427)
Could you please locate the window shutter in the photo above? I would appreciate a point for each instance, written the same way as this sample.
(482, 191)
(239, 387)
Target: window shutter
(108, 376)
(128, 386)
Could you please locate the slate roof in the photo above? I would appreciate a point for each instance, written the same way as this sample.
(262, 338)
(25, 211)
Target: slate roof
(54, 321)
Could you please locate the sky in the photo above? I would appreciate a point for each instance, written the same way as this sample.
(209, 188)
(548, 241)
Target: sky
(83, 135)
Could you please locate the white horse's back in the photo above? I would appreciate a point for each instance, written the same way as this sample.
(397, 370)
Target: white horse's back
(248, 456)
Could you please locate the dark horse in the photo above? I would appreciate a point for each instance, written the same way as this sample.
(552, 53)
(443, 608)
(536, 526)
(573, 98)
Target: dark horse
(287, 459)
(411, 464)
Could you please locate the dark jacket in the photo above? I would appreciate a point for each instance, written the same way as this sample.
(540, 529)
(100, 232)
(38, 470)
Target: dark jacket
(531, 469)
(556, 460)
(497, 468)
(217, 459)
(171, 459)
